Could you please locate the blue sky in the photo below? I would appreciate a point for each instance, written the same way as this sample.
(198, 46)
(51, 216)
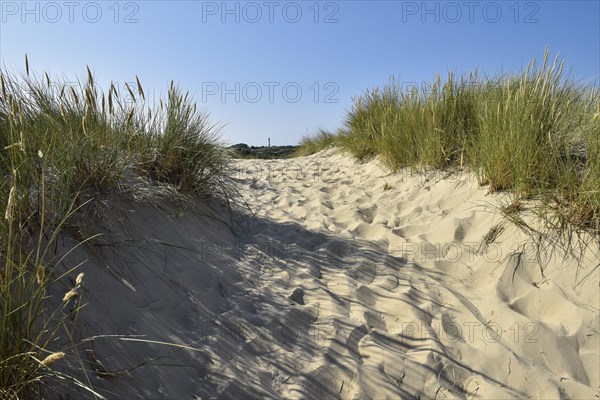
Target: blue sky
(281, 69)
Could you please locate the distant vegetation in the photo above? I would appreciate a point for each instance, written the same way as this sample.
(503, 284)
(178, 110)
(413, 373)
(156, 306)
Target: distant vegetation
(535, 133)
(242, 150)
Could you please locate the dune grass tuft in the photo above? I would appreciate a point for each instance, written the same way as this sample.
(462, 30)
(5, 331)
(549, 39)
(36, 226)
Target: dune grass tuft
(186, 151)
(310, 144)
(60, 145)
(536, 133)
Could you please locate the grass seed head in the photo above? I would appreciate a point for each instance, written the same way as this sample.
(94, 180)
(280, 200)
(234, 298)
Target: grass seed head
(52, 358)
(12, 199)
(69, 295)
(41, 274)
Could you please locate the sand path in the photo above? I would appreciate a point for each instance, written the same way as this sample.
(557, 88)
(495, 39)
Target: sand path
(348, 282)
(396, 276)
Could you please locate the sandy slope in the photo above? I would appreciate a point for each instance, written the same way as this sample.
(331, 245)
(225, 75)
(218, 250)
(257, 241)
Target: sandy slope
(348, 282)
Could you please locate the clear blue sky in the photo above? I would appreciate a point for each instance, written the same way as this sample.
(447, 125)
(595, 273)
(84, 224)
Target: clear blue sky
(245, 62)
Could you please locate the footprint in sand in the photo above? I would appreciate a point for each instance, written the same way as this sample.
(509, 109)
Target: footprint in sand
(354, 338)
(326, 189)
(366, 296)
(374, 321)
(451, 329)
(364, 273)
(367, 214)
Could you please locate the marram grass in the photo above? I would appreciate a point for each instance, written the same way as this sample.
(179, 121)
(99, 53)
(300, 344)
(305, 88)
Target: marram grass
(535, 133)
(60, 144)
(310, 144)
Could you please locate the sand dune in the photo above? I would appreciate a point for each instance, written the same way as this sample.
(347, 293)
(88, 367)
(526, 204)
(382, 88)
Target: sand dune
(347, 282)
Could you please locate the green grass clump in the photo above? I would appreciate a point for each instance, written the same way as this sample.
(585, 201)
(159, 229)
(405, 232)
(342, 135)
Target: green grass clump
(428, 126)
(60, 145)
(526, 126)
(185, 150)
(536, 133)
(311, 144)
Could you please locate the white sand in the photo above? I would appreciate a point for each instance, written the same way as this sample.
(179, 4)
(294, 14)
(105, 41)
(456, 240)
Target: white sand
(402, 297)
